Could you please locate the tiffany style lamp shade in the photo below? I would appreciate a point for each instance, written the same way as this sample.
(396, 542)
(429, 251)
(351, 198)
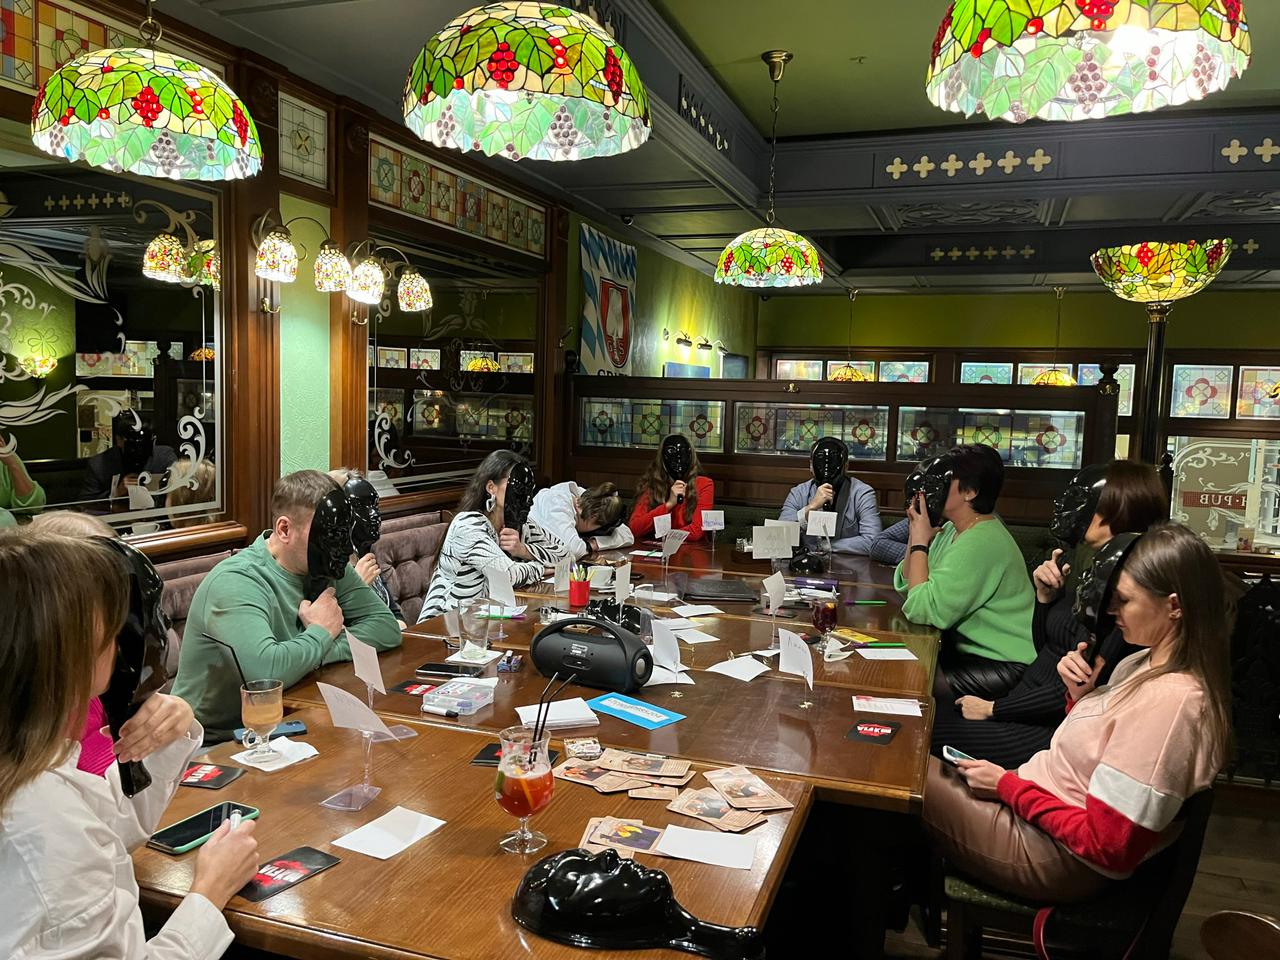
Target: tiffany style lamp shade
(522, 79)
(769, 257)
(146, 112)
(1084, 59)
(847, 374)
(413, 291)
(1054, 377)
(164, 259)
(482, 365)
(367, 282)
(332, 269)
(1158, 274)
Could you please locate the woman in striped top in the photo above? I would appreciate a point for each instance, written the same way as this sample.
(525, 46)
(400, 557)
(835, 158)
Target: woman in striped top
(477, 539)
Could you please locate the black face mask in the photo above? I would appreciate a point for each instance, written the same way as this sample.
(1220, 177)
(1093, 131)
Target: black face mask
(140, 654)
(522, 485)
(328, 543)
(1074, 508)
(137, 450)
(677, 457)
(603, 901)
(366, 518)
(829, 459)
(933, 477)
(1097, 586)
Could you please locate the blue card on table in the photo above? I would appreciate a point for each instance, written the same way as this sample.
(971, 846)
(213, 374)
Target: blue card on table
(634, 711)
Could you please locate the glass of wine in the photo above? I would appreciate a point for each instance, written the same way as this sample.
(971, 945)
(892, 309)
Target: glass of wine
(523, 785)
(824, 616)
(261, 710)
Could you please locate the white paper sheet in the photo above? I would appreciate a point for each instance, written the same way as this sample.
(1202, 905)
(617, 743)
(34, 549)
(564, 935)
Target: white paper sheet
(695, 636)
(770, 543)
(882, 653)
(365, 659)
(391, 833)
(796, 658)
(792, 528)
(139, 497)
(350, 712)
(573, 712)
(504, 613)
(776, 587)
(696, 610)
(745, 669)
(622, 583)
(661, 525)
(661, 675)
(712, 846)
(765, 653)
(649, 591)
(712, 520)
(499, 582)
(288, 752)
(822, 523)
(678, 623)
(903, 708)
(666, 651)
(647, 554)
(477, 656)
(561, 578)
(673, 541)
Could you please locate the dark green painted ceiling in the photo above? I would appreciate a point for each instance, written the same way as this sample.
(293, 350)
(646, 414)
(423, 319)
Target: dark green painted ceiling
(860, 64)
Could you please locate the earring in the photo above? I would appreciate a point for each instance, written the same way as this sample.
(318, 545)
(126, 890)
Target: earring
(490, 503)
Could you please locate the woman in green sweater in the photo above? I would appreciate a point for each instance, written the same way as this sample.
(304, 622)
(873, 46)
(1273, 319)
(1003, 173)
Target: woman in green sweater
(967, 579)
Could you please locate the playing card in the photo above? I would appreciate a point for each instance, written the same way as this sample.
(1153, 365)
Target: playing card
(210, 775)
(653, 793)
(626, 835)
(642, 764)
(579, 771)
(590, 847)
(664, 781)
(415, 688)
(879, 732)
(744, 790)
(613, 782)
(582, 748)
(707, 805)
(285, 871)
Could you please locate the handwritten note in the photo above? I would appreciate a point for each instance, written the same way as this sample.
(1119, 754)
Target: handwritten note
(661, 525)
(795, 658)
(712, 519)
(672, 542)
(770, 543)
(791, 526)
(822, 523)
(562, 577)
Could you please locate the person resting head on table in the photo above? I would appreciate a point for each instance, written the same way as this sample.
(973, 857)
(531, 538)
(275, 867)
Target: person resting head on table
(1101, 501)
(480, 536)
(66, 876)
(366, 527)
(832, 489)
(584, 521)
(968, 578)
(673, 485)
(1105, 794)
(255, 603)
(17, 490)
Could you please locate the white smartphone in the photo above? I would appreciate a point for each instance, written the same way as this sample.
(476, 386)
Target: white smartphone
(952, 755)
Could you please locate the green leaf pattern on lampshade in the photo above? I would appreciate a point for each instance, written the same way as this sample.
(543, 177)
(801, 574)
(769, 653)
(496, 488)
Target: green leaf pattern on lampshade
(146, 112)
(1161, 272)
(1084, 59)
(531, 80)
(769, 257)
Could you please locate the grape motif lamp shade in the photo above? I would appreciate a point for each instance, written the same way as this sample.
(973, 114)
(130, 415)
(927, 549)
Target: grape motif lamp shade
(1161, 273)
(769, 257)
(1084, 59)
(526, 80)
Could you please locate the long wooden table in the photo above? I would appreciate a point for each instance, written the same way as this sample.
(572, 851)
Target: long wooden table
(449, 894)
(701, 559)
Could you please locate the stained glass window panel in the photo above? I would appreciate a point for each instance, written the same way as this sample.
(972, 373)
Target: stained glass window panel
(865, 367)
(428, 415)
(1027, 372)
(1088, 374)
(986, 373)
(925, 432)
(643, 423)
(1023, 438)
(1253, 395)
(1201, 391)
(797, 370)
(792, 428)
(904, 371)
(1052, 438)
(424, 359)
(515, 362)
(390, 402)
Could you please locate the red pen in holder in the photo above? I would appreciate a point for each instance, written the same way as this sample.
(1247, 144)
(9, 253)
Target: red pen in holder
(579, 592)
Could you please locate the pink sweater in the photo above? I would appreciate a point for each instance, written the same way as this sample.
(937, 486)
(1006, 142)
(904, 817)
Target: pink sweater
(96, 753)
(1118, 769)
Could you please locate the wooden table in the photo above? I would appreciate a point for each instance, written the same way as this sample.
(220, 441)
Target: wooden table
(702, 560)
(449, 894)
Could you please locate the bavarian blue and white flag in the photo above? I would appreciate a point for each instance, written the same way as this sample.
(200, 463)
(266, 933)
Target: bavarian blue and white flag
(608, 303)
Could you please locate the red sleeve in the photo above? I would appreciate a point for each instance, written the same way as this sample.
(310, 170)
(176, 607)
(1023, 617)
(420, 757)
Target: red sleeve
(642, 517)
(1098, 834)
(706, 501)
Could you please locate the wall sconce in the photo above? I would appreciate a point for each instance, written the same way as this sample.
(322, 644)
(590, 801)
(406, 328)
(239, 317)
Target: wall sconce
(371, 275)
(38, 367)
(279, 256)
(167, 259)
(666, 334)
(704, 343)
(684, 340)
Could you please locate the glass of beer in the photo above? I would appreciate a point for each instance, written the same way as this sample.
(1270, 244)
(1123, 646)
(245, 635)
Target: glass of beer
(523, 785)
(261, 710)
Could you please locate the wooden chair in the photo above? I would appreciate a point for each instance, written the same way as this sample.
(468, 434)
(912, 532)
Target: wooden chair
(1232, 935)
(1141, 911)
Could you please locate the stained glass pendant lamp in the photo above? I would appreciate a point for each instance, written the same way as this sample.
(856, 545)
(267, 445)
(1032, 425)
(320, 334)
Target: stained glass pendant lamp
(849, 373)
(1084, 59)
(1055, 376)
(770, 256)
(144, 111)
(526, 80)
(1158, 275)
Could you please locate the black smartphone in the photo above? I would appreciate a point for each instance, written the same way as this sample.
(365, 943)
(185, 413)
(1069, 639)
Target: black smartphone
(190, 833)
(288, 728)
(449, 670)
(1061, 560)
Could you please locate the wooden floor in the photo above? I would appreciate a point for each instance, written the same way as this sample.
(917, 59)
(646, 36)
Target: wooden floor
(1239, 870)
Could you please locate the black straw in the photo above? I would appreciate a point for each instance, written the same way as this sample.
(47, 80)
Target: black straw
(542, 700)
(239, 669)
(541, 728)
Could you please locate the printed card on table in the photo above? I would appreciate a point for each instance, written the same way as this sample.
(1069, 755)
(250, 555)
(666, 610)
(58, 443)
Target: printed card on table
(635, 711)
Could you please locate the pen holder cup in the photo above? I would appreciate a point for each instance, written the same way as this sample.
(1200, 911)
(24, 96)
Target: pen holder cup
(579, 592)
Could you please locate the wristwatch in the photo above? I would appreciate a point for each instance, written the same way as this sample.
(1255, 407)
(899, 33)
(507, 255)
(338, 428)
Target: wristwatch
(919, 546)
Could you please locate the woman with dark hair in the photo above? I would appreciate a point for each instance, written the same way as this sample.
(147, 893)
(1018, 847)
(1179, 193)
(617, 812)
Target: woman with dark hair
(673, 485)
(1009, 729)
(583, 520)
(968, 579)
(479, 538)
(1105, 794)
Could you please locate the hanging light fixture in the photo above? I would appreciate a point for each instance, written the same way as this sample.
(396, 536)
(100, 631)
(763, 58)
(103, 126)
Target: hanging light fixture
(332, 269)
(413, 291)
(849, 373)
(144, 111)
(1084, 59)
(770, 256)
(164, 259)
(522, 79)
(1055, 377)
(483, 364)
(367, 281)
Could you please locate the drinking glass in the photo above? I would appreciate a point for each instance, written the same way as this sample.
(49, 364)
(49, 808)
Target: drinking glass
(476, 623)
(261, 710)
(825, 616)
(523, 785)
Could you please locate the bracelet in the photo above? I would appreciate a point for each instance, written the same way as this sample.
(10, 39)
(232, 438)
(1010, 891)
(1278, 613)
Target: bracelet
(918, 546)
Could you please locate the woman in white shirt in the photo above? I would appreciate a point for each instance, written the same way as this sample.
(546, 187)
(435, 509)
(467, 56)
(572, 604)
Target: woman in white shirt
(66, 876)
(585, 521)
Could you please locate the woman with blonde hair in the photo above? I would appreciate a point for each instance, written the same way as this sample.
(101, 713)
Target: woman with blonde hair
(66, 877)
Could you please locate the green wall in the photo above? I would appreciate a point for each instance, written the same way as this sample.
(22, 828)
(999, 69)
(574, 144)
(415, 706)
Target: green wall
(1227, 319)
(671, 295)
(304, 353)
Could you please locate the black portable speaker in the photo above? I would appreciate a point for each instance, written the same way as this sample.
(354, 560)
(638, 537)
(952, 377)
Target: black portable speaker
(602, 655)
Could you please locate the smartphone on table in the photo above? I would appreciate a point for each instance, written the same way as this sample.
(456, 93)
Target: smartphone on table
(952, 755)
(289, 728)
(190, 833)
(449, 670)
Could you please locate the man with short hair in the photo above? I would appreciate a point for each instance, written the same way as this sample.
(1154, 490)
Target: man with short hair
(253, 603)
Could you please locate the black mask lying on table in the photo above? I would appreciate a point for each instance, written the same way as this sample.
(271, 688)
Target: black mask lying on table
(1074, 508)
(522, 485)
(366, 518)
(140, 654)
(933, 477)
(328, 544)
(604, 901)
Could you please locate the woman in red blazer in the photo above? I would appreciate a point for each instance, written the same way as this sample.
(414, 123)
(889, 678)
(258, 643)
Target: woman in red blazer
(673, 484)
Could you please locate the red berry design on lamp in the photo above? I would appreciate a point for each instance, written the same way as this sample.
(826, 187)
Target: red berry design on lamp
(728, 260)
(942, 31)
(36, 104)
(104, 114)
(147, 105)
(1215, 254)
(1145, 255)
(981, 43)
(1099, 10)
(788, 264)
(1035, 25)
(241, 122)
(613, 73)
(458, 83)
(107, 68)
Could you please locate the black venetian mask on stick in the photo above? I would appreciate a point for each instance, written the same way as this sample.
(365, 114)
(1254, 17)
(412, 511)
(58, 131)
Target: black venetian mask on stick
(605, 902)
(829, 458)
(328, 543)
(1074, 508)
(366, 518)
(677, 458)
(522, 484)
(1097, 587)
(933, 477)
(141, 646)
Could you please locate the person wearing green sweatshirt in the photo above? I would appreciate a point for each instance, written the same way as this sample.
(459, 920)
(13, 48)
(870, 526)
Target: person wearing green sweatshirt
(17, 490)
(969, 580)
(253, 602)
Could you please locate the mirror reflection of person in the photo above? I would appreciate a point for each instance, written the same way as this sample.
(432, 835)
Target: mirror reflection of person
(17, 490)
(182, 494)
(133, 451)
